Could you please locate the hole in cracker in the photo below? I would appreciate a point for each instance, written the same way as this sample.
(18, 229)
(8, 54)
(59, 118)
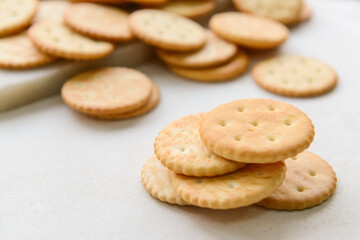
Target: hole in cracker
(260, 173)
(271, 138)
(240, 109)
(295, 71)
(312, 173)
(232, 185)
(271, 108)
(271, 72)
(14, 13)
(237, 138)
(182, 149)
(318, 70)
(199, 180)
(303, 61)
(223, 123)
(56, 39)
(48, 30)
(288, 122)
(310, 80)
(300, 189)
(255, 123)
(284, 81)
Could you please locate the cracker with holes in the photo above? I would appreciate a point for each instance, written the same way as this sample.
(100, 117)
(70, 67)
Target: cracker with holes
(167, 31)
(179, 147)
(295, 76)
(229, 70)
(18, 51)
(249, 30)
(157, 181)
(99, 21)
(150, 105)
(256, 130)
(241, 188)
(284, 11)
(51, 11)
(215, 52)
(16, 15)
(189, 9)
(56, 39)
(111, 90)
(309, 181)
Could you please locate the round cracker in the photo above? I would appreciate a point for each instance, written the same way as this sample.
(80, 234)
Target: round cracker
(93, 20)
(51, 11)
(284, 11)
(295, 76)
(111, 90)
(215, 52)
(229, 70)
(249, 30)
(305, 13)
(166, 30)
(256, 130)
(179, 147)
(309, 181)
(189, 9)
(157, 181)
(113, 2)
(150, 105)
(16, 15)
(56, 39)
(19, 52)
(239, 189)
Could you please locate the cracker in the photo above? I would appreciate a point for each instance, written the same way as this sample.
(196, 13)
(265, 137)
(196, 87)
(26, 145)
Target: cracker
(284, 11)
(51, 10)
(58, 40)
(305, 13)
(256, 130)
(215, 52)
(167, 30)
(150, 105)
(295, 76)
(99, 21)
(242, 188)
(249, 30)
(113, 2)
(179, 147)
(309, 181)
(16, 15)
(111, 90)
(189, 9)
(229, 70)
(149, 2)
(19, 52)
(157, 181)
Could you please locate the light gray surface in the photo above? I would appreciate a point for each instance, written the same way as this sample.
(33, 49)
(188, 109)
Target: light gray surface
(66, 176)
(20, 87)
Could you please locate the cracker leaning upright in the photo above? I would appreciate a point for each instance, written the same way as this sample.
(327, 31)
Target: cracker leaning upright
(167, 30)
(256, 131)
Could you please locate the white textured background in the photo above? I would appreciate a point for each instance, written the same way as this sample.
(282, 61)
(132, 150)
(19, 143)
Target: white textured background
(66, 176)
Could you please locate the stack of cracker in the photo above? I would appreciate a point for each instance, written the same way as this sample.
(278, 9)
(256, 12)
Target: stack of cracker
(244, 152)
(111, 93)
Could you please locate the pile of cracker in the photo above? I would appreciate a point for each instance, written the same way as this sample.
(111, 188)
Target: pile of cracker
(34, 33)
(111, 93)
(249, 151)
